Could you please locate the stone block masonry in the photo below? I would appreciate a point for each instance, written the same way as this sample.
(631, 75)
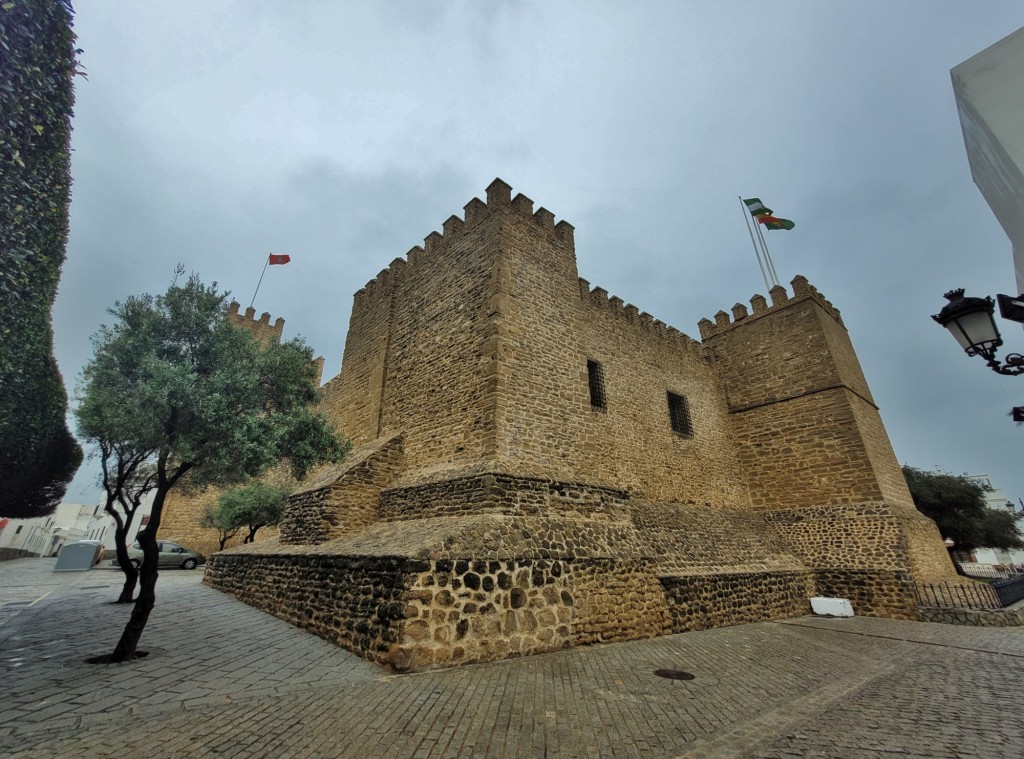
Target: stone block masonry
(540, 465)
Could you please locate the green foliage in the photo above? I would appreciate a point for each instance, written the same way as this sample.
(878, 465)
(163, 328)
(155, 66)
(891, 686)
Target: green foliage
(38, 455)
(957, 504)
(213, 518)
(174, 383)
(999, 530)
(174, 378)
(254, 505)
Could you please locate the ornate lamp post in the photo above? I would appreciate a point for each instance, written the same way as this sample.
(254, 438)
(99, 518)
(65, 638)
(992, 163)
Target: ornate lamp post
(970, 321)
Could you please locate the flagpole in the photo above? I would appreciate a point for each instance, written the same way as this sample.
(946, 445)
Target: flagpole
(767, 255)
(265, 265)
(757, 255)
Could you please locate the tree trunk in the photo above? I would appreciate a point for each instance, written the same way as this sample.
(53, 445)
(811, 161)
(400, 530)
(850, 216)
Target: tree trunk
(131, 574)
(127, 645)
(126, 648)
(121, 527)
(226, 536)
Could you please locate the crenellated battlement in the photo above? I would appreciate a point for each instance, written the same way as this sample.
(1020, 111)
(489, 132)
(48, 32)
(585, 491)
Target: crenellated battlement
(499, 197)
(598, 297)
(802, 290)
(260, 328)
(581, 466)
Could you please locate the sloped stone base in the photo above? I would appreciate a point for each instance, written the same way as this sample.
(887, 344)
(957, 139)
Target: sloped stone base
(872, 593)
(489, 565)
(409, 614)
(699, 602)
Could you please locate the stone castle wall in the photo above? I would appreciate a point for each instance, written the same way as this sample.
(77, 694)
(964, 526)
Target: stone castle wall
(415, 359)
(488, 566)
(791, 393)
(475, 348)
(260, 328)
(631, 442)
(492, 508)
(341, 499)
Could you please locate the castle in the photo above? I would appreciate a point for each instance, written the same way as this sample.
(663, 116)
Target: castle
(538, 465)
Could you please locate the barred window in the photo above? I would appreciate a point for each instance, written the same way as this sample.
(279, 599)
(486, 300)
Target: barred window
(595, 377)
(679, 414)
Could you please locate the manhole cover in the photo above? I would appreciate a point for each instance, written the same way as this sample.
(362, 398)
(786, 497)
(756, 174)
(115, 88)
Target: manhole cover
(673, 674)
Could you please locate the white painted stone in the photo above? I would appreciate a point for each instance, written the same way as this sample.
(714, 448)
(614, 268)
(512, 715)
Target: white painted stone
(831, 607)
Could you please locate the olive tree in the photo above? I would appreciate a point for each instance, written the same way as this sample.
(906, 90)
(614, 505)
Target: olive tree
(213, 518)
(127, 478)
(254, 505)
(202, 401)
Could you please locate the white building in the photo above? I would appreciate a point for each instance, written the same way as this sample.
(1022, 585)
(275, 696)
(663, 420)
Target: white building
(996, 500)
(989, 91)
(70, 522)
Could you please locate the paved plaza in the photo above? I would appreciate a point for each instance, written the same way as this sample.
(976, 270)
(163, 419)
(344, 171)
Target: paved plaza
(225, 680)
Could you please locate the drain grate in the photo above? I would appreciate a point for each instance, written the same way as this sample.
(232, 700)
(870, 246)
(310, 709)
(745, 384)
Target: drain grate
(673, 674)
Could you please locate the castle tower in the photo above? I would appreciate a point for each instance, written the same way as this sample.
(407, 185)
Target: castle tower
(812, 445)
(540, 465)
(260, 328)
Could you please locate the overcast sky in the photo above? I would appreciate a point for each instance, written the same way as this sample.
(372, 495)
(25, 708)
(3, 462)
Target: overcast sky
(342, 133)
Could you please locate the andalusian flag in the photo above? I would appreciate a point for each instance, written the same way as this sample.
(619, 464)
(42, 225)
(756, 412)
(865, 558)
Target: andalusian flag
(757, 208)
(771, 222)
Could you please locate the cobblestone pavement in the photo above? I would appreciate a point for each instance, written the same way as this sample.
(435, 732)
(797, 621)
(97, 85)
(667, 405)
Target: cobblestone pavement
(223, 679)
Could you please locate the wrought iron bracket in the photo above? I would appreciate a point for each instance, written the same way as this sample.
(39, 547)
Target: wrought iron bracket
(1014, 365)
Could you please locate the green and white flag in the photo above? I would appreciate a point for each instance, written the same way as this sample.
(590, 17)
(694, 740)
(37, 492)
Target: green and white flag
(757, 208)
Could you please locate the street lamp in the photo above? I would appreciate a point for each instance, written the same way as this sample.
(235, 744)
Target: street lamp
(970, 321)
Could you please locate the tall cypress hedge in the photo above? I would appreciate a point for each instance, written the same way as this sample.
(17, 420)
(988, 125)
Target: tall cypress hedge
(38, 454)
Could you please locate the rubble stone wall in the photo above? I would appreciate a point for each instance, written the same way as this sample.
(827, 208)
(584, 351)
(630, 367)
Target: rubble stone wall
(409, 614)
(699, 602)
(502, 493)
(342, 499)
(871, 592)
(929, 559)
(859, 536)
(355, 602)
(1012, 617)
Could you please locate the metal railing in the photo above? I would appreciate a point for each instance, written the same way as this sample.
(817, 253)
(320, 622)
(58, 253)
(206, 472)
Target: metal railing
(954, 595)
(1009, 590)
(988, 571)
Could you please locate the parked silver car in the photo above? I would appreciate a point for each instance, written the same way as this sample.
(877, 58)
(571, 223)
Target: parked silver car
(171, 555)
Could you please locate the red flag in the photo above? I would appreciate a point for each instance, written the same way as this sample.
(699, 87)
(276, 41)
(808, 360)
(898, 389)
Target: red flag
(772, 222)
(279, 258)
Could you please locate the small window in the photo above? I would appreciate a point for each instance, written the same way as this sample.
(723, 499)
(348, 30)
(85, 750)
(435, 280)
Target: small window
(679, 415)
(595, 377)
(19, 529)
